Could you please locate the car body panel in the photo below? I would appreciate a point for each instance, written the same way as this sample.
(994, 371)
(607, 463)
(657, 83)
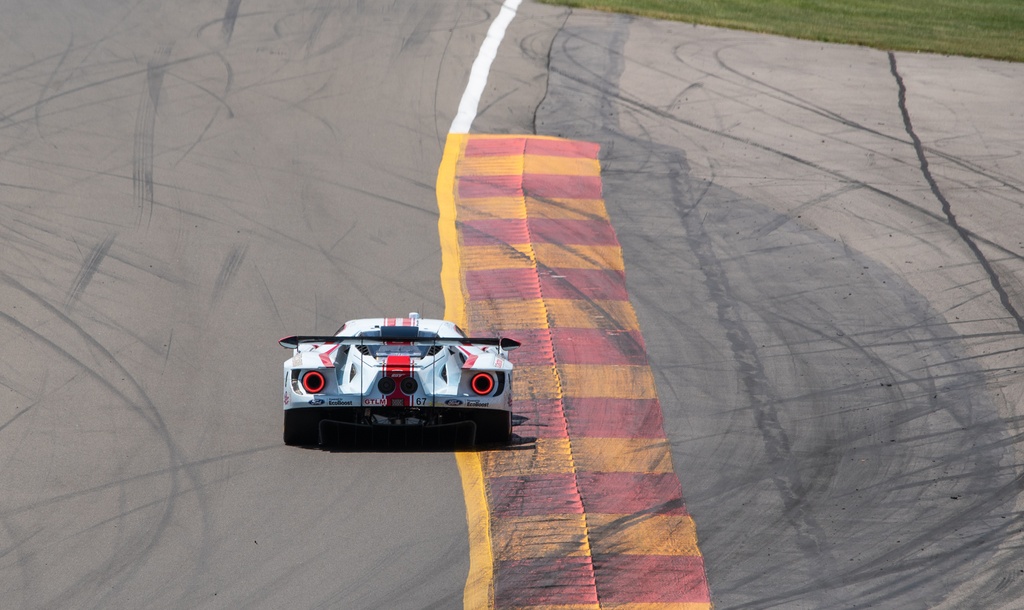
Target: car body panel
(397, 371)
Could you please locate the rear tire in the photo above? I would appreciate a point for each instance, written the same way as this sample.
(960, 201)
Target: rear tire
(493, 426)
(299, 429)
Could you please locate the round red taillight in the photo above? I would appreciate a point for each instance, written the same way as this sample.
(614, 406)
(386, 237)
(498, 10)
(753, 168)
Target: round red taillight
(482, 383)
(313, 382)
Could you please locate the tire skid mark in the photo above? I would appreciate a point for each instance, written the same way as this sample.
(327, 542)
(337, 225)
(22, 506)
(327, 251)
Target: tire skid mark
(230, 15)
(143, 476)
(762, 399)
(932, 379)
(947, 208)
(135, 398)
(636, 104)
(321, 12)
(232, 262)
(803, 104)
(145, 125)
(917, 390)
(221, 98)
(37, 109)
(88, 270)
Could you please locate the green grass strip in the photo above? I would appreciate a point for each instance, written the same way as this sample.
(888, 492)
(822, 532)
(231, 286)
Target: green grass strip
(975, 28)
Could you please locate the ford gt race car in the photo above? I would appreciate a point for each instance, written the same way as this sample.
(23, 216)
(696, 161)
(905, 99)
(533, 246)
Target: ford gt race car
(410, 381)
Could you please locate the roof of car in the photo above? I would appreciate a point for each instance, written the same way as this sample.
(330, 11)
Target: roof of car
(413, 326)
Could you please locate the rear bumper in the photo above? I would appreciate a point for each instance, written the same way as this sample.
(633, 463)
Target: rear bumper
(347, 435)
(350, 428)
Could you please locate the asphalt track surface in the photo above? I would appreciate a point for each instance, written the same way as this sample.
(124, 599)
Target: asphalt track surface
(822, 244)
(823, 247)
(183, 183)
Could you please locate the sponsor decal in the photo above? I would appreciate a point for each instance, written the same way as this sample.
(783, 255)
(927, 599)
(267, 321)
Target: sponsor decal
(453, 402)
(287, 397)
(476, 403)
(316, 402)
(375, 402)
(337, 402)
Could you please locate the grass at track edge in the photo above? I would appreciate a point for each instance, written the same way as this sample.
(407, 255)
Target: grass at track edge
(990, 29)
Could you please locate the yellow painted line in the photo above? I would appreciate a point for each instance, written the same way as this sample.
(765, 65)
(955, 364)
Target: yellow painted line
(622, 455)
(558, 256)
(479, 589)
(607, 381)
(482, 258)
(555, 256)
(561, 166)
(533, 314)
(491, 165)
(451, 272)
(549, 456)
(540, 536)
(578, 313)
(643, 534)
(514, 314)
(491, 208)
(478, 592)
(537, 382)
(517, 165)
(566, 209)
(562, 607)
(664, 606)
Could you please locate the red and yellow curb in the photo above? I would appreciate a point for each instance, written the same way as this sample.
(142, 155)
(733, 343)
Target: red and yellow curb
(586, 512)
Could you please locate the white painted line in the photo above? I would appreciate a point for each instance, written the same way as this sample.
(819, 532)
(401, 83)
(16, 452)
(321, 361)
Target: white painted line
(482, 67)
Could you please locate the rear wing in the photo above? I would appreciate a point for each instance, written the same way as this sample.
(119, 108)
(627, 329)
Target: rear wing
(502, 342)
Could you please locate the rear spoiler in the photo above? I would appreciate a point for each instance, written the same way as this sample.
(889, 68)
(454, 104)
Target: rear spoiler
(503, 342)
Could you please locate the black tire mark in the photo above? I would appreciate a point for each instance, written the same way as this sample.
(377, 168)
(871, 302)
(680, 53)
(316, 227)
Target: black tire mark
(947, 209)
(637, 104)
(803, 104)
(91, 85)
(228, 270)
(810, 535)
(199, 138)
(145, 125)
(322, 10)
(37, 109)
(88, 270)
(229, 77)
(890, 570)
(230, 15)
(837, 174)
(20, 412)
(269, 296)
(137, 400)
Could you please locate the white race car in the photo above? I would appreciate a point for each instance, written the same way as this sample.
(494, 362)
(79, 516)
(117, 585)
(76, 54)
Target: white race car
(406, 381)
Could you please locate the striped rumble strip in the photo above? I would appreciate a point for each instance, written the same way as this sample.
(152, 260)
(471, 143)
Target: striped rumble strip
(586, 511)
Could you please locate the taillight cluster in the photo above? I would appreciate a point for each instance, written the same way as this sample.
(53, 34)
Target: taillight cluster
(482, 384)
(313, 382)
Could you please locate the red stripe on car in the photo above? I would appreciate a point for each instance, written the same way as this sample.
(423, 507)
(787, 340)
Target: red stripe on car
(397, 366)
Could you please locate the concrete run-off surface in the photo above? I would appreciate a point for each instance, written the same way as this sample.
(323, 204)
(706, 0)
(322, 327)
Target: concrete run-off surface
(823, 244)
